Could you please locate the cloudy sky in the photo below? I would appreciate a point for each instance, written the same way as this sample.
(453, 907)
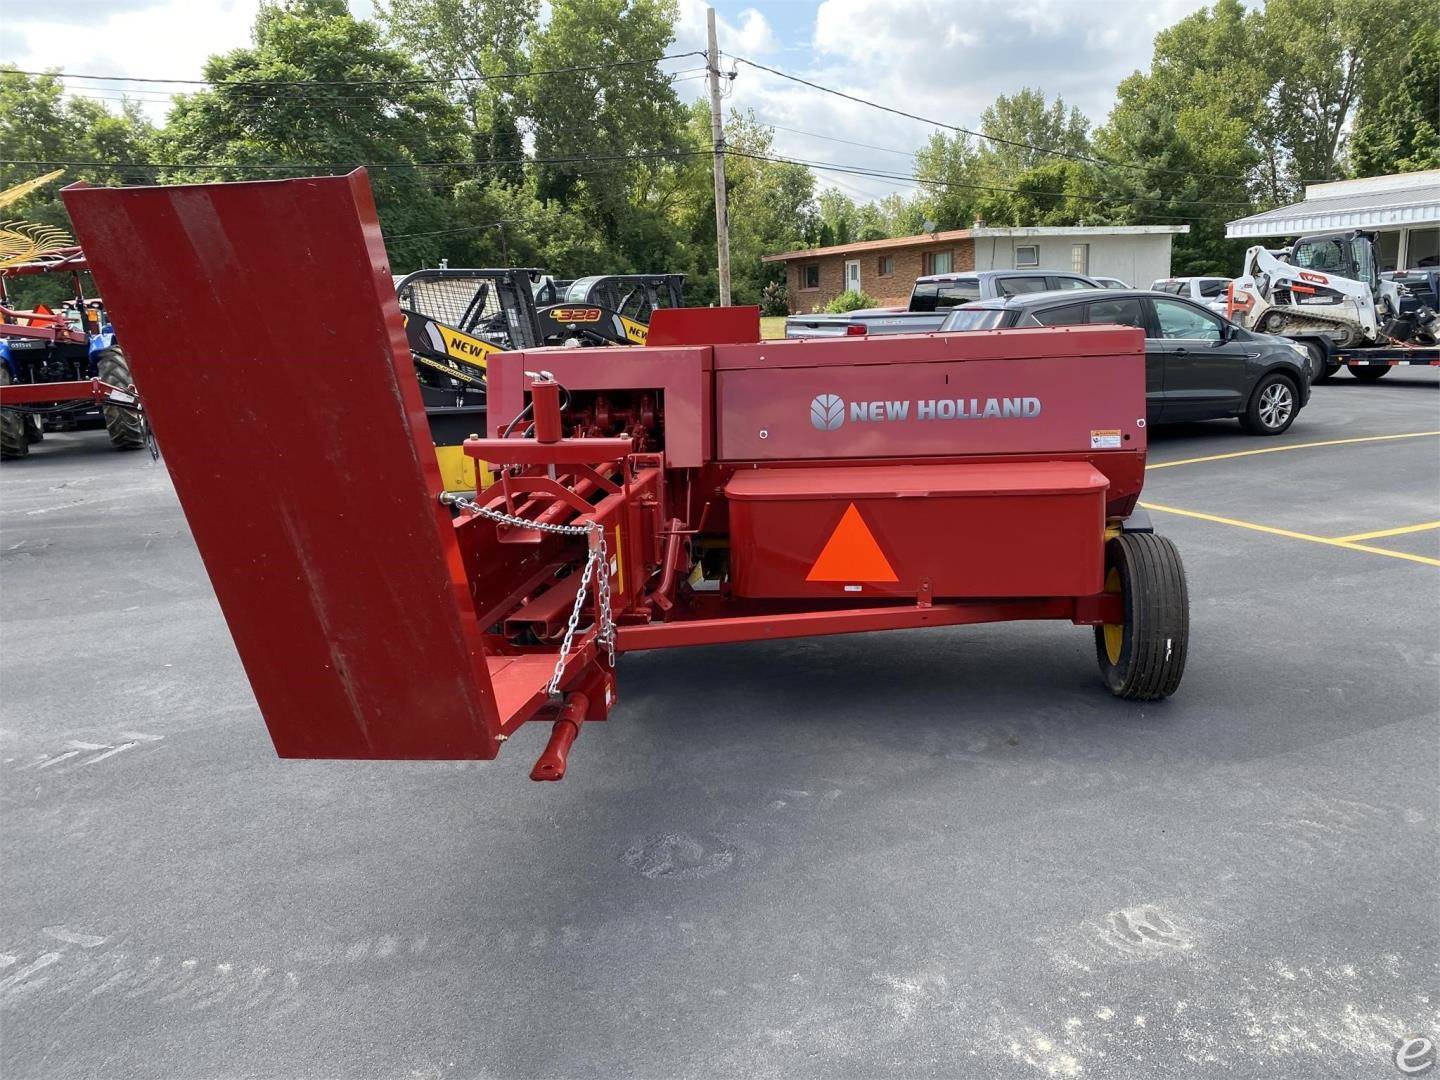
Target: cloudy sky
(945, 59)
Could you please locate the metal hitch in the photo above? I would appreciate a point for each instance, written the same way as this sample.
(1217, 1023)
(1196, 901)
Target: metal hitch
(551, 763)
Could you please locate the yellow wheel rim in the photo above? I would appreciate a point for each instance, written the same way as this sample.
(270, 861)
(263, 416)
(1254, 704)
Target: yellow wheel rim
(1114, 632)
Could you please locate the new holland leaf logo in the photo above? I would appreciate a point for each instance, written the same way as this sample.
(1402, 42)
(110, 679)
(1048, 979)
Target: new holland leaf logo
(827, 411)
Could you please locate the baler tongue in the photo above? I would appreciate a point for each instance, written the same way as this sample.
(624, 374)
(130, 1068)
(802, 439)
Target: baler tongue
(262, 327)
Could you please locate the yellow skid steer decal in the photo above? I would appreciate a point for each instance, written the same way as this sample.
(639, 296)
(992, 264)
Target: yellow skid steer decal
(467, 349)
(636, 332)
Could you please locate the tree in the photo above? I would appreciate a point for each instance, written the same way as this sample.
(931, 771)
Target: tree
(771, 206)
(1185, 141)
(949, 166)
(470, 43)
(38, 123)
(1324, 55)
(1020, 122)
(1397, 128)
(365, 103)
(602, 133)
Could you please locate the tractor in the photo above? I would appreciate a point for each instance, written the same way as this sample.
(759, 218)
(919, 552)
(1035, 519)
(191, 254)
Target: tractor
(73, 350)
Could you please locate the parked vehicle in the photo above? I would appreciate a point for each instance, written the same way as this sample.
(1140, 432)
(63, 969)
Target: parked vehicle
(931, 297)
(456, 319)
(50, 359)
(609, 309)
(1207, 291)
(1324, 292)
(1110, 282)
(1198, 366)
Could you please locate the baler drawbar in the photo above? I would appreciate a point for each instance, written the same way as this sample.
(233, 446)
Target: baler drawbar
(707, 487)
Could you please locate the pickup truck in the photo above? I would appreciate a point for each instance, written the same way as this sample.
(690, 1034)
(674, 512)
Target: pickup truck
(931, 298)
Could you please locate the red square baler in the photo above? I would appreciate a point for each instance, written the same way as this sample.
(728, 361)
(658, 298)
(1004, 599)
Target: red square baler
(705, 488)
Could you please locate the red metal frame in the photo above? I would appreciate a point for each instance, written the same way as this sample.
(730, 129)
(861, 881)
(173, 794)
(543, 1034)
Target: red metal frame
(101, 391)
(983, 469)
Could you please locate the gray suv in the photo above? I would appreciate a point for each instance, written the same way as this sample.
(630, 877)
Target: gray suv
(1198, 366)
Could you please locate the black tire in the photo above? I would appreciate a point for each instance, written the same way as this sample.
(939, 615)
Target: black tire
(34, 432)
(1369, 372)
(126, 428)
(1320, 366)
(1144, 658)
(1272, 406)
(14, 426)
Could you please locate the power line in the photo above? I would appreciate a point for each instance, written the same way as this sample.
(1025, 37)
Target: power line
(1072, 155)
(832, 138)
(860, 170)
(257, 95)
(306, 83)
(584, 159)
(638, 155)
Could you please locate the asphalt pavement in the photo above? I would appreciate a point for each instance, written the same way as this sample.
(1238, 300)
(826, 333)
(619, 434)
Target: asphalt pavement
(941, 853)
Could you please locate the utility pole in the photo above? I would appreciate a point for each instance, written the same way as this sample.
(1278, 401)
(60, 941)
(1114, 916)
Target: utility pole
(717, 138)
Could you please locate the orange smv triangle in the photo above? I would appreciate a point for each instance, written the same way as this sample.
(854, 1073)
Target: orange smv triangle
(851, 554)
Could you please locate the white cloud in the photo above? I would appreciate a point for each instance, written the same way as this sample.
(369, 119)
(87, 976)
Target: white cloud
(752, 36)
(944, 60)
(160, 38)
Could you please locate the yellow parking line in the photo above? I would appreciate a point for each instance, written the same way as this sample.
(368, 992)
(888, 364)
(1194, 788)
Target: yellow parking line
(1291, 534)
(1292, 446)
(1424, 526)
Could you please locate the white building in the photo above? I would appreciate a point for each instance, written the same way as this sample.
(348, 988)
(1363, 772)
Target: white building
(886, 269)
(1403, 211)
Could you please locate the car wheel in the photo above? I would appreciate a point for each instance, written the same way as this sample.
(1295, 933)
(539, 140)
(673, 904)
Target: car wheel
(1370, 372)
(1272, 406)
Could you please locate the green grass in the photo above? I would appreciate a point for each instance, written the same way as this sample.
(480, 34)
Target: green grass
(772, 326)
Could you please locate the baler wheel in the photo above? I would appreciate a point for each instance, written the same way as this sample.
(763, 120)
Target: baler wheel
(14, 426)
(125, 427)
(1143, 658)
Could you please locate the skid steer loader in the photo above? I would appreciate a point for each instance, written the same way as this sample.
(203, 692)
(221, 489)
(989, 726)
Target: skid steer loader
(1324, 291)
(608, 309)
(455, 320)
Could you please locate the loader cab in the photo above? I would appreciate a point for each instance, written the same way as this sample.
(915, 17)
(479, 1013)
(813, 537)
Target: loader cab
(609, 309)
(634, 296)
(1344, 254)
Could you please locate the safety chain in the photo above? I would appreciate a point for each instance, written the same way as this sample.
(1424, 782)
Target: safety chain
(598, 555)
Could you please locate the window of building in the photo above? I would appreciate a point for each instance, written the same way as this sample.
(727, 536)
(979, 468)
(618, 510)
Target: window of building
(1027, 255)
(1422, 249)
(1080, 258)
(887, 265)
(810, 276)
(937, 262)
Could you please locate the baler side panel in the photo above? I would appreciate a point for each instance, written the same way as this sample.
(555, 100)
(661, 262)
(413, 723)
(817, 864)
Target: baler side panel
(266, 341)
(909, 408)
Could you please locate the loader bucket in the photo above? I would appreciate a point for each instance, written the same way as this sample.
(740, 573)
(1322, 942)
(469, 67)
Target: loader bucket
(264, 336)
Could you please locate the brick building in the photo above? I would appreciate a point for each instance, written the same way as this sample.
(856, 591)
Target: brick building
(886, 269)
